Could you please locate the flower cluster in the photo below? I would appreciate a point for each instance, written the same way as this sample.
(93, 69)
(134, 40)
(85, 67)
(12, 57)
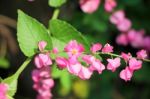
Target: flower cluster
(3, 90)
(90, 6)
(41, 75)
(83, 65)
(135, 38)
(122, 23)
(133, 63)
(80, 63)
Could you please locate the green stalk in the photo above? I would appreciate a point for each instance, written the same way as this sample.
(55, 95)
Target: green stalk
(55, 14)
(23, 66)
(115, 55)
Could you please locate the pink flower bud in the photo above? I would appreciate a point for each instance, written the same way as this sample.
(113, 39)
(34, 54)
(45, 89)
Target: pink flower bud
(110, 5)
(146, 43)
(35, 75)
(96, 47)
(131, 35)
(135, 64)
(141, 54)
(42, 45)
(126, 74)
(42, 60)
(74, 68)
(107, 48)
(47, 83)
(136, 38)
(97, 65)
(89, 6)
(45, 72)
(117, 16)
(88, 59)
(85, 73)
(55, 50)
(124, 25)
(113, 64)
(125, 56)
(44, 94)
(122, 39)
(61, 62)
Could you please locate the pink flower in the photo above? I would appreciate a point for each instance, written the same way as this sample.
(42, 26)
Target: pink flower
(97, 65)
(125, 56)
(122, 39)
(135, 64)
(142, 54)
(124, 25)
(96, 47)
(44, 97)
(85, 73)
(88, 59)
(110, 5)
(138, 42)
(117, 16)
(126, 74)
(55, 50)
(73, 60)
(73, 48)
(47, 83)
(45, 72)
(44, 94)
(3, 90)
(42, 60)
(61, 62)
(131, 35)
(42, 82)
(107, 48)
(42, 45)
(74, 68)
(37, 74)
(113, 64)
(136, 38)
(89, 6)
(146, 43)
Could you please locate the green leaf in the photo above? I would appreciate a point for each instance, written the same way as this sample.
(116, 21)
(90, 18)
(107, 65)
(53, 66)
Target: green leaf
(56, 73)
(64, 32)
(56, 3)
(9, 97)
(65, 81)
(12, 82)
(58, 44)
(29, 33)
(4, 63)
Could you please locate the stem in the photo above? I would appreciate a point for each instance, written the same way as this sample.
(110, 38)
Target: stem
(55, 14)
(146, 60)
(115, 55)
(23, 66)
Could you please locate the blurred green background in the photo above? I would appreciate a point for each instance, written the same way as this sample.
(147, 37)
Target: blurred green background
(97, 28)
